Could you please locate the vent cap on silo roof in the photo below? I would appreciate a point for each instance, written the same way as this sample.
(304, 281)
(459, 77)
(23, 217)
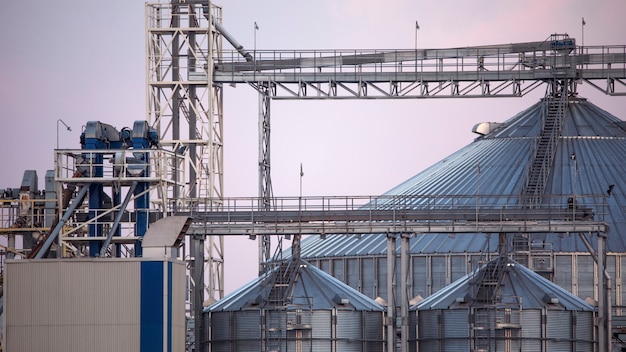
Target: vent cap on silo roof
(550, 298)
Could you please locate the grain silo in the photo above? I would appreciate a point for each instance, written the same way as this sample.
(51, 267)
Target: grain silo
(502, 306)
(295, 307)
(587, 159)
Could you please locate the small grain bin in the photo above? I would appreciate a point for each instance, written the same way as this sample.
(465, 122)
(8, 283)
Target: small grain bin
(295, 307)
(503, 306)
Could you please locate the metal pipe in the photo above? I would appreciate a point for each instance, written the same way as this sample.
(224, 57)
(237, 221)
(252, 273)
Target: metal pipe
(233, 41)
(77, 201)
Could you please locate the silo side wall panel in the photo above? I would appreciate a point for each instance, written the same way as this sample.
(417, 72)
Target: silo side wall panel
(428, 330)
(438, 273)
(373, 331)
(321, 330)
(369, 278)
(563, 272)
(420, 279)
(72, 306)
(559, 330)
(456, 330)
(349, 331)
(354, 277)
(220, 331)
(584, 331)
(586, 275)
(247, 332)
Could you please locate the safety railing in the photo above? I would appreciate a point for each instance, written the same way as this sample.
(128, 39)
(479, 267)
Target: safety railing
(555, 206)
(450, 63)
(122, 166)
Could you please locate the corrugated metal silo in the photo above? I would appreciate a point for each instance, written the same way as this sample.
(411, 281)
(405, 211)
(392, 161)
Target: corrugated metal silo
(296, 307)
(495, 166)
(521, 312)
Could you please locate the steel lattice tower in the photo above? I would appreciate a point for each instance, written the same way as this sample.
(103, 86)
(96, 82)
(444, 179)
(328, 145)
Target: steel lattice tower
(185, 107)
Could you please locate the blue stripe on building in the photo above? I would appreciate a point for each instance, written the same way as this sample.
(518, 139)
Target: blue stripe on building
(169, 306)
(151, 309)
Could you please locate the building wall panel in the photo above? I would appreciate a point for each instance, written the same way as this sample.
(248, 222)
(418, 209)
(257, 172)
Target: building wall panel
(79, 305)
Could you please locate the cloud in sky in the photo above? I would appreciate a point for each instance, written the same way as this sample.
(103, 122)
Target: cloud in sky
(84, 60)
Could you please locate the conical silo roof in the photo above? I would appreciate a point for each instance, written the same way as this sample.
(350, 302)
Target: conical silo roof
(496, 165)
(312, 289)
(518, 285)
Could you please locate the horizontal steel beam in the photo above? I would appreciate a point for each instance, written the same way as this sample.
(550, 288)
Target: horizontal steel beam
(428, 214)
(345, 228)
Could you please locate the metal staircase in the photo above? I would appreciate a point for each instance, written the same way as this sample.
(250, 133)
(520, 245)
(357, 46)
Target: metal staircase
(545, 148)
(282, 282)
(488, 281)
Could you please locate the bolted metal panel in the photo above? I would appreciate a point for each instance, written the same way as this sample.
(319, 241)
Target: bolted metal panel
(369, 277)
(325, 265)
(276, 330)
(584, 328)
(586, 276)
(623, 279)
(47, 309)
(382, 277)
(438, 272)
(321, 330)
(456, 330)
(428, 323)
(321, 324)
(354, 271)
(349, 325)
(412, 339)
(559, 330)
(420, 278)
(247, 330)
(458, 266)
(349, 331)
(339, 269)
(373, 331)
(220, 326)
(611, 269)
(563, 272)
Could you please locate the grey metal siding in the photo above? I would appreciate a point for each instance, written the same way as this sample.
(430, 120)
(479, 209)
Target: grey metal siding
(531, 330)
(559, 330)
(65, 305)
(586, 276)
(456, 330)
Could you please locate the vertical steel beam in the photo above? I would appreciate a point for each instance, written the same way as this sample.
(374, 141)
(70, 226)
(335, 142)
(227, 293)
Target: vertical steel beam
(265, 181)
(390, 322)
(604, 331)
(404, 288)
(198, 292)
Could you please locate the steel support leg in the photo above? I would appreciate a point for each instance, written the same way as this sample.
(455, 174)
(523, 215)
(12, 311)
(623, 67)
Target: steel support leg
(391, 293)
(265, 182)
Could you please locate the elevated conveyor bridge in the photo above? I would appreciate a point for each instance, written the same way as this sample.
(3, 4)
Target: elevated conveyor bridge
(509, 70)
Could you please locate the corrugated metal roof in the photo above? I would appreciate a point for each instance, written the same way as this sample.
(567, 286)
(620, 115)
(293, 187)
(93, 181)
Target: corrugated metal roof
(312, 288)
(496, 164)
(519, 283)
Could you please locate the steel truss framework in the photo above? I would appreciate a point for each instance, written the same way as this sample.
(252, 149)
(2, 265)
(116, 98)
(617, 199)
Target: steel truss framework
(187, 68)
(400, 217)
(182, 44)
(510, 70)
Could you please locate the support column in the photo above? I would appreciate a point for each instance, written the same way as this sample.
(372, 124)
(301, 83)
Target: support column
(198, 288)
(265, 182)
(604, 330)
(405, 259)
(391, 292)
